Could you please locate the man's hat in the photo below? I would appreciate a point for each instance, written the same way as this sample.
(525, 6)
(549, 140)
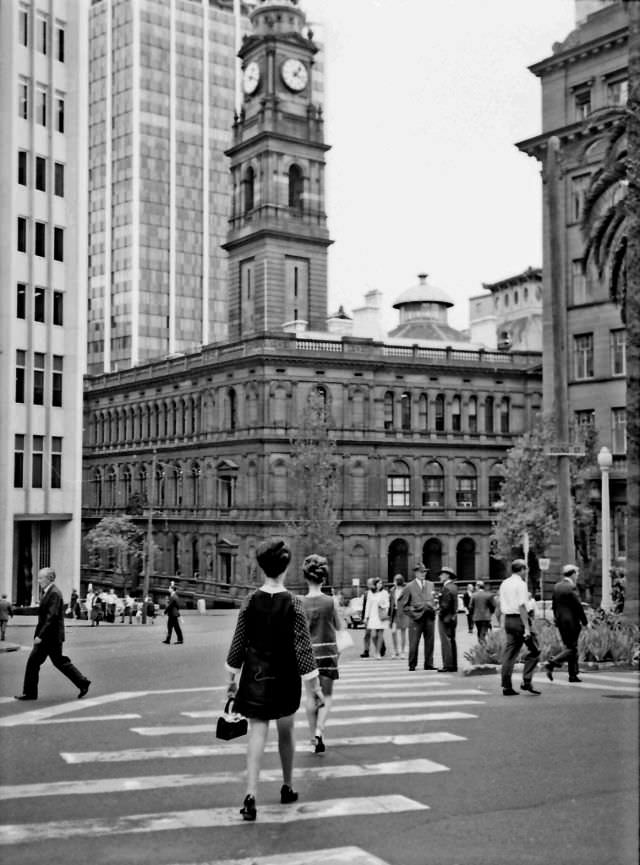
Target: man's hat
(569, 570)
(420, 567)
(448, 571)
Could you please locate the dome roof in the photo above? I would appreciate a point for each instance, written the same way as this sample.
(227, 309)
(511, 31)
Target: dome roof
(423, 292)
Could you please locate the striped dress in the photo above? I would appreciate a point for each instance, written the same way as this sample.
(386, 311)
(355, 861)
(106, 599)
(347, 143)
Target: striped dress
(323, 620)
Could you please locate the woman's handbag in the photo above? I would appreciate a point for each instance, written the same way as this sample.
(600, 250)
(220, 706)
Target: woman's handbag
(344, 640)
(230, 724)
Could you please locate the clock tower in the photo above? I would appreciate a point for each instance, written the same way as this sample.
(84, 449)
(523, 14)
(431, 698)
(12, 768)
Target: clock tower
(278, 237)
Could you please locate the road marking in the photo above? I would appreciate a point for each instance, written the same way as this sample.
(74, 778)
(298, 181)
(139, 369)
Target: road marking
(612, 678)
(206, 818)
(236, 747)
(418, 766)
(332, 856)
(379, 676)
(193, 729)
(86, 718)
(594, 686)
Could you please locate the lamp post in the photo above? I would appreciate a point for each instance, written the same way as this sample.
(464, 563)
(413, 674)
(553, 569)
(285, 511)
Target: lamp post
(148, 557)
(605, 461)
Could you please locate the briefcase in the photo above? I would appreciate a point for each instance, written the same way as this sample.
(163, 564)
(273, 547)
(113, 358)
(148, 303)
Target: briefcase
(230, 724)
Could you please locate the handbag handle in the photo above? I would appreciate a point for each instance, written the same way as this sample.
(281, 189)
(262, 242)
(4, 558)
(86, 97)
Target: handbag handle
(227, 704)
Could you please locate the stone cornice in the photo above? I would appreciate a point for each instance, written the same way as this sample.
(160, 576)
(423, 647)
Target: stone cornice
(599, 121)
(580, 51)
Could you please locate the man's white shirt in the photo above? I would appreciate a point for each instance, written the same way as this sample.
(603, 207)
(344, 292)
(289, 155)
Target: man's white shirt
(513, 593)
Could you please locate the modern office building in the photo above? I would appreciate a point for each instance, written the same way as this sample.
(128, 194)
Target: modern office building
(43, 251)
(584, 91)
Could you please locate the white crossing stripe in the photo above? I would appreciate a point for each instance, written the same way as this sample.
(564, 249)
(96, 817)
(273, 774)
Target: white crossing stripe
(419, 766)
(205, 818)
(193, 729)
(84, 718)
(332, 856)
(632, 679)
(235, 747)
(593, 686)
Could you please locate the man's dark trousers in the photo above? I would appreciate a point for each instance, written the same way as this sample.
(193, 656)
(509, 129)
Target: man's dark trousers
(424, 627)
(514, 630)
(174, 625)
(569, 653)
(38, 656)
(447, 632)
(483, 628)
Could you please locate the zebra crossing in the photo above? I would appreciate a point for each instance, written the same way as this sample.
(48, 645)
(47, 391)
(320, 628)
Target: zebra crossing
(410, 710)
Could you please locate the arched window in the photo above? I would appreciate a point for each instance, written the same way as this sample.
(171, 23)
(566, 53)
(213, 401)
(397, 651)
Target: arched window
(179, 476)
(358, 564)
(112, 477)
(279, 483)
(155, 431)
(388, 410)
(466, 560)
(466, 486)
(252, 408)
(279, 407)
(97, 488)
(357, 410)
(432, 555)
(488, 414)
(142, 482)
(358, 484)
(399, 485)
(295, 187)
(423, 412)
(127, 485)
(249, 189)
(398, 558)
(160, 487)
(472, 414)
(195, 484)
(433, 486)
(405, 411)
(232, 408)
(505, 406)
(456, 414)
(318, 397)
(439, 412)
(496, 479)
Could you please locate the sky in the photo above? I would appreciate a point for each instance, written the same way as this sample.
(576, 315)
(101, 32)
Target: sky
(425, 100)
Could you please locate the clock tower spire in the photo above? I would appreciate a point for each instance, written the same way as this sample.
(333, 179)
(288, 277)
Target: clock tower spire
(278, 238)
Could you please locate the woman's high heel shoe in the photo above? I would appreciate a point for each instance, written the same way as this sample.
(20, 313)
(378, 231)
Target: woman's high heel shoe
(287, 795)
(249, 810)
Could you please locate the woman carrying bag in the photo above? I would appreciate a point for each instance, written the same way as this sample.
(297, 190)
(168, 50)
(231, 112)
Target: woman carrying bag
(271, 650)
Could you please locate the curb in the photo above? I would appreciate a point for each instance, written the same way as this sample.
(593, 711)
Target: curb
(481, 670)
(9, 647)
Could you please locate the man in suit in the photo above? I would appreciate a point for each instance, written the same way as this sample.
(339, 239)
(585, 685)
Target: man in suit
(172, 612)
(417, 602)
(6, 611)
(48, 640)
(482, 607)
(569, 616)
(448, 621)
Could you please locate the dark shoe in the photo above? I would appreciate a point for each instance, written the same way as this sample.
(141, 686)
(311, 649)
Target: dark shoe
(411, 669)
(249, 809)
(549, 670)
(383, 651)
(319, 746)
(575, 679)
(446, 669)
(509, 692)
(429, 667)
(364, 655)
(530, 689)
(287, 795)
(167, 642)
(24, 697)
(179, 642)
(84, 690)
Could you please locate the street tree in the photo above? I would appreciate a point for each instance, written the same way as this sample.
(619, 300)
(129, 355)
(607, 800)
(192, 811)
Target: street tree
(121, 539)
(314, 463)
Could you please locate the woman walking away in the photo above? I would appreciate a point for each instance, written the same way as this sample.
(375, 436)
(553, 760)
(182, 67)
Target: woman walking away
(398, 619)
(377, 607)
(324, 621)
(272, 647)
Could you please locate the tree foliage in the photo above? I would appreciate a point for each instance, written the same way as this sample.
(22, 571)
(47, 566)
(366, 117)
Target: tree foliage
(119, 536)
(315, 477)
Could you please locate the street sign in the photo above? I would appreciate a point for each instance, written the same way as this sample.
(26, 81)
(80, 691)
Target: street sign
(544, 564)
(355, 581)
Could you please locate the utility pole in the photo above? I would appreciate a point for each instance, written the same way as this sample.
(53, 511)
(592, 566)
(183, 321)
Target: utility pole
(148, 557)
(558, 298)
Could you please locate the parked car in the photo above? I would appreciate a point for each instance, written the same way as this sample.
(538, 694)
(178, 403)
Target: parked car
(353, 615)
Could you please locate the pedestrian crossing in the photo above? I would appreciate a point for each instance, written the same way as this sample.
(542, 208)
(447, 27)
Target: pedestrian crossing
(428, 714)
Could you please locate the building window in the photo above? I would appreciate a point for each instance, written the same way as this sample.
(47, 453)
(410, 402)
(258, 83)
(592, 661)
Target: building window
(495, 488)
(620, 522)
(40, 240)
(18, 461)
(388, 410)
(398, 491)
(232, 407)
(21, 362)
(21, 300)
(39, 303)
(22, 234)
(472, 414)
(60, 114)
(582, 103)
(405, 411)
(618, 346)
(38, 378)
(466, 486)
(23, 27)
(433, 486)
(578, 282)
(56, 381)
(505, 424)
(36, 461)
(456, 414)
(56, 462)
(58, 308)
(97, 488)
(58, 179)
(23, 100)
(439, 413)
(41, 34)
(249, 185)
(60, 44)
(488, 414)
(58, 244)
(423, 412)
(583, 356)
(618, 92)
(41, 173)
(578, 188)
(22, 167)
(619, 430)
(41, 106)
(584, 420)
(295, 187)
(226, 491)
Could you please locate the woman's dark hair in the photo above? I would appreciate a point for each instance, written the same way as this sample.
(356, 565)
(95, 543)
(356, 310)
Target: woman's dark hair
(315, 569)
(273, 556)
(398, 580)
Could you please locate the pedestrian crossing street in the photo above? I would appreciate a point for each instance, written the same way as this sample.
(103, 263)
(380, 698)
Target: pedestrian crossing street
(412, 712)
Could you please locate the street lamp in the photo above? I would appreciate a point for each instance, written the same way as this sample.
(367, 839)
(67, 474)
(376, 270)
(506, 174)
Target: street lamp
(605, 461)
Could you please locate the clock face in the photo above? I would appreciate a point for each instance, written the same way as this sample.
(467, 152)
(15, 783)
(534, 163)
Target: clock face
(294, 74)
(251, 78)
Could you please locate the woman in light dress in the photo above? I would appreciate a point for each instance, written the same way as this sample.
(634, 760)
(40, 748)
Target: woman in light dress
(377, 616)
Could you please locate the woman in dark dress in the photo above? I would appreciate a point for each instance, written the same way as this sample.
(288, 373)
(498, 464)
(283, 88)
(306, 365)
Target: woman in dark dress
(271, 649)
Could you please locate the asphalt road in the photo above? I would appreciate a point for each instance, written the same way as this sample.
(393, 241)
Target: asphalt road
(133, 773)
